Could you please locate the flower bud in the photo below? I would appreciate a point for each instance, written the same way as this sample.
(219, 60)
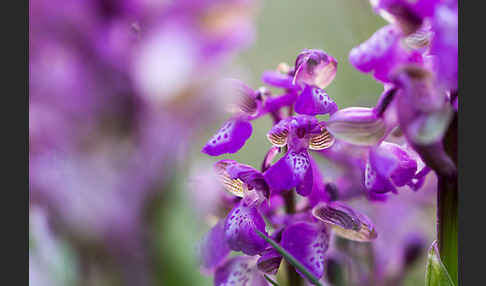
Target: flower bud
(357, 125)
(315, 67)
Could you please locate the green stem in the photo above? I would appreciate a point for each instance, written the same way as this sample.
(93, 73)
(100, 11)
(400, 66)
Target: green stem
(447, 227)
(447, 208)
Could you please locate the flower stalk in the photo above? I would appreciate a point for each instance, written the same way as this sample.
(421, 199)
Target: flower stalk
(447, 208)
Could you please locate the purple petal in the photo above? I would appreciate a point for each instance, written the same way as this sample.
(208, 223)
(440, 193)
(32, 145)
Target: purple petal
(293, 170)
(279, 79)
(307, 243)
(407, 14)
(214, 247)
(445, 44)
(239, 271)
(422, 108)
(319, 192)
(271, 154)
(240, 226)
(376, 183)
(247, 102)
(229, 139)
(252, 178)
(279, 133)
(273, 104)
(321, 141)
(403, 167)
(345, 221)
(315, 67)
(313, 101)
(381, 53)
(270, 260)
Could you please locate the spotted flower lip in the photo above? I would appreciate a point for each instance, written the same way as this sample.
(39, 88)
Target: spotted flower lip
(357, 125)
(314, 101)
(345, 221)
(308, 243)
(230, 138)
(315, 67)
(240, 229)
(239, 271)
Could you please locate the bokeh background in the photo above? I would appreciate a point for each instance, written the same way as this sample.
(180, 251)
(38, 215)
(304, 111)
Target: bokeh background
(283, 28)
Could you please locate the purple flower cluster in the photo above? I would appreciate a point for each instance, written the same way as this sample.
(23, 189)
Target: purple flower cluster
(381, 150)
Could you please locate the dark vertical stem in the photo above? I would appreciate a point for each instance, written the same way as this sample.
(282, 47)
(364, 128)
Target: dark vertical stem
(447, 207)
(293, 278)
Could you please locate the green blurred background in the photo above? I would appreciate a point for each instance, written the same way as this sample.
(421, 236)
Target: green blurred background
(283, 28)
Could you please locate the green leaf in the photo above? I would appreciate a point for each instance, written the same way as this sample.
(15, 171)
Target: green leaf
(291, 259)
(270, 280)
(435, 272)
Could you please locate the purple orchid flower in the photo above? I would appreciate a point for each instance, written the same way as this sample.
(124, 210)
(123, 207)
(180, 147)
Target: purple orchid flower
(298, 133)
(251, 105)
(244, 219)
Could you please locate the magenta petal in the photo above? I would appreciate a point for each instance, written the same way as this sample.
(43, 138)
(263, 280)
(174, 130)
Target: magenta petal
(382, 160)
(406, 164)
(279, 79)
(445, 44)
(376, 183)
(381, 53)
(293, 170)
(319, 189)
(229, 139)
(307, 243)
(313, 101)
(273, 104)
(214, 247)
(240, 226)
(239, 271)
